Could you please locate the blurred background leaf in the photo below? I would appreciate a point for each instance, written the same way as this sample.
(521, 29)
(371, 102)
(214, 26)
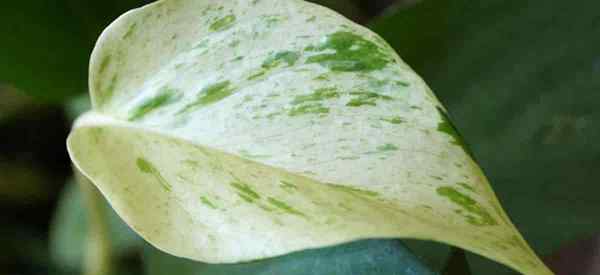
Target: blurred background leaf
(349, 8)
(12, 102)
(457, 263)
(45, 44)
(70, 231)
(44, 52)
(520, 80)
(32, 167)
(76, 238)
(77, 106)
(373, 257)
(584, 251)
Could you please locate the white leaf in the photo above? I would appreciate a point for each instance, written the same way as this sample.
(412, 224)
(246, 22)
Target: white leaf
(227, 131)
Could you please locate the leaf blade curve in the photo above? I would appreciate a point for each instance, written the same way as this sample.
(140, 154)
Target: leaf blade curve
(279, 125)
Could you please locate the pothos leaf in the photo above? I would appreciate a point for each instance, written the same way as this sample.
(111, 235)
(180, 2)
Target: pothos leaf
(227, 132)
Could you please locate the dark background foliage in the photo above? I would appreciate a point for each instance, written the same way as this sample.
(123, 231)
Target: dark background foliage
(521, 81)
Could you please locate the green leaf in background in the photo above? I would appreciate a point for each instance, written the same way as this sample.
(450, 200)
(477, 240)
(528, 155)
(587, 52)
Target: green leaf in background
(45, 44)
(457, 263)
(433, 254)
(373, 257)
(348, 8)
(69, 232)
(43, 51)
(417, 32)
(235, 131)
(520, 78)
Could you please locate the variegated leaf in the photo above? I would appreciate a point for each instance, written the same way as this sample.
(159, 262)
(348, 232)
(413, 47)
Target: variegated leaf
(227, 131)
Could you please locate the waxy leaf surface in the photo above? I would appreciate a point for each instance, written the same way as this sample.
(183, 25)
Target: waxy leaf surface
(239, 130)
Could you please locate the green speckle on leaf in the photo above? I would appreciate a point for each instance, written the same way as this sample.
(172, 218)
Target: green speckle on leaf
(354, 190)
(215, 92)
(476, 215)
(387, 147)
(349, 158)
(445, 126)
(147, 168)
(206, 10)
(257, 74)
(283, 206)
(223, 23)
(352, 53)
(393, 120)
(272, 19)
(275, 60)
(375, 83)
(207, 202)
(518, 242)
(97, 134)
(109, 90)
(210, 94)
(324, 76)
(266, 208)
(273, 115)
(245, 191)
(164, 97)
(106, 87)
(247, 98)
(246, 197)
(361, 98)
(402, 83)
(468, 187)
(192, 163)
(234, 43)
(317, 95)
(104, 64)
(313, 108)
(130, 30)
(288, 185)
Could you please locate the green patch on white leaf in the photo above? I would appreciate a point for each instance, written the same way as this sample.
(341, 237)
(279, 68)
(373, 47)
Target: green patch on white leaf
(222, 23)
(319, 135)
